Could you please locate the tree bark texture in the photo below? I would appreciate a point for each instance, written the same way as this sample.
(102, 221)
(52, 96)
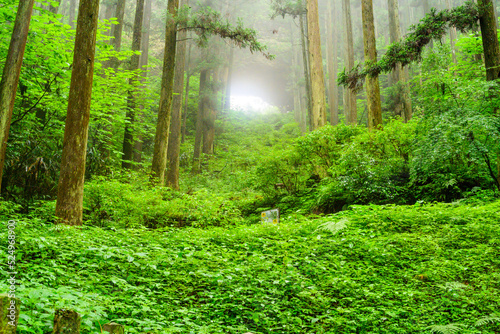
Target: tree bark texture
(305, 63)
(67, 321)
(203, 95)
(143, 63)
(9, 313)
(487, 22)
(186, 94)
(332, 45)
(11, 72)
(69, 203)
(167, 83)
(350, 107)
(372, 83)
(174, 140)
(403, 103)
(128, 138)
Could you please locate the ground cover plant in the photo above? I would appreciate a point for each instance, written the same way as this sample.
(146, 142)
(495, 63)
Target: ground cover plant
(369, 269)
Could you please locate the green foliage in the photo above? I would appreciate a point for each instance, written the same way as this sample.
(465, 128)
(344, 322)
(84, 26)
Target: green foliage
(122, 204)
(206, 22)
(433, 26)
(393, 269)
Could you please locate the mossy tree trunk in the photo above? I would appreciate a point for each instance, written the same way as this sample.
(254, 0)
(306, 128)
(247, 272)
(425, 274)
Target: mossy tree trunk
(174, 140)
(167, 83)
(350, 107)
(128, 138)
(9, 309)
(67, 321)
(318, 95)
(11, 72)
(69, 203)
(372, 83)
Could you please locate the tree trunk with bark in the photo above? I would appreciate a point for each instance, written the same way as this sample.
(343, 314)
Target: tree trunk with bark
(372, 83)
(186, 95)
(350, 107)
(69, 205)
(209, 115)
(11, 72)
(72, 9)
(143, 63)
(202, 96)
(403, 103)
(174, 140)
(332, 45)
(487, 22)
(305, 63)
(167, 82)
(128, 138)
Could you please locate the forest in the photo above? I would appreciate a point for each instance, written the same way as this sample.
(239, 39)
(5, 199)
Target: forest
(249, 167)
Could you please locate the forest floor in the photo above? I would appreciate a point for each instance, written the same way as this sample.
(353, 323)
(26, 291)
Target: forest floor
(369, 269)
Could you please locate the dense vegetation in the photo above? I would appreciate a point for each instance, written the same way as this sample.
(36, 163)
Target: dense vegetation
(392, 229)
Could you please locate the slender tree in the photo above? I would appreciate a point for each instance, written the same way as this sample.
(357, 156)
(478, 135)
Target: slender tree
(305, 65)
(174, 140)
(69, 205)
(11, 72)
(209, 115)
(372, 83)
(164, 113)
(400, 74)
(186, 95)
(350, 107)
(202, 102)
(72, 9)
(128, 139)
(143, 63)
(316, 65)
(332, 44)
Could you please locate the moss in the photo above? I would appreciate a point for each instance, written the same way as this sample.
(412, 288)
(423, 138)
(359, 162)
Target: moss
(433, 26)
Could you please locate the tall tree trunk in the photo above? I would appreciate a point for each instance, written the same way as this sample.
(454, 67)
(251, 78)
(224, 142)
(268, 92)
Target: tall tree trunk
(305, 63)
(69, 205)
(403, 103)
(167, 83)
(210, 113)
(186, 96)
(295, 79)
(202, 101)
(372, 84)
(128, 138)
(11, 72)
(116, 31)
(350, 107)
(487, 22)
(143, 63)
(72, 9)
(453, 37)
(332, 45)
(227, 96)
(174, 140)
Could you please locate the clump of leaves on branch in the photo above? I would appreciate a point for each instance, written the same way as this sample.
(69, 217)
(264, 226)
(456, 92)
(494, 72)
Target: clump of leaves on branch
(285, 7)
(433, 26)
(207, 22)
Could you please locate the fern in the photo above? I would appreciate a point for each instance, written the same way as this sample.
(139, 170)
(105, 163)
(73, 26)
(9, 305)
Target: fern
(334, 227)
(487, 320)
(446, 329)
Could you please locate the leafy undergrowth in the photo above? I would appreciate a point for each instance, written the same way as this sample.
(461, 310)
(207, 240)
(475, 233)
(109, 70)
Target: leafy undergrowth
(371, 269)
